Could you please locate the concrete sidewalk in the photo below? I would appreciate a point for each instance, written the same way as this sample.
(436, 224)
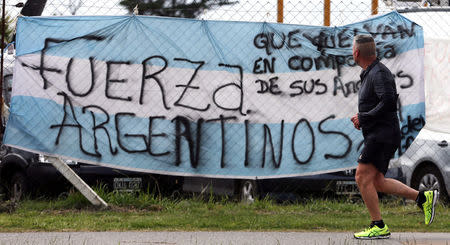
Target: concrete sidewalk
(225, 238)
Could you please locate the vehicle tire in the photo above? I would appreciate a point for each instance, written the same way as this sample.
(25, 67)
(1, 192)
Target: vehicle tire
(18, 186)
(429, 178)
(248, 191)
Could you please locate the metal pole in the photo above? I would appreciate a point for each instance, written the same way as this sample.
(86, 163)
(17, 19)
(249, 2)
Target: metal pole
(374, 7)
(76, 181)
(326, 12)
(1, 65)
(280, 11)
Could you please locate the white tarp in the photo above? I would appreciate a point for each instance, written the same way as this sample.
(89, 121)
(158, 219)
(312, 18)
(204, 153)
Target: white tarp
(437, 84)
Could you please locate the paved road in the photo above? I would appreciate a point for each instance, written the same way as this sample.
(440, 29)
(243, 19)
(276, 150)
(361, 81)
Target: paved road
(225, 238)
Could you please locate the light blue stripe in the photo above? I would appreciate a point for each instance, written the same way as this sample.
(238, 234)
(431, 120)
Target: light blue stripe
(30, 121)
(135, 38)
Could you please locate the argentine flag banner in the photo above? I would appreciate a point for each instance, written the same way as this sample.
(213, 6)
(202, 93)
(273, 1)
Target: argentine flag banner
(204, 98)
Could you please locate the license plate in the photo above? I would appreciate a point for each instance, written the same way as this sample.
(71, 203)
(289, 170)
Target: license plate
(346, 187)
(127, 184)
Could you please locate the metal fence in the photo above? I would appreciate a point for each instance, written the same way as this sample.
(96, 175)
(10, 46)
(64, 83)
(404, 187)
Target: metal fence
(432, 15)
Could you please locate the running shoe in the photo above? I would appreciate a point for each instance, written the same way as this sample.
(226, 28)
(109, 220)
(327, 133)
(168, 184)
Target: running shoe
(373, 232)
(428, 205)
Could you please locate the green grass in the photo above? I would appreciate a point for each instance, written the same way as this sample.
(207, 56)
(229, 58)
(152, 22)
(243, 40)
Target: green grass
(149, 212)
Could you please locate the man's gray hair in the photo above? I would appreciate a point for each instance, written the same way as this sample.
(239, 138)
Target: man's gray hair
(364, 38)
(365, 44)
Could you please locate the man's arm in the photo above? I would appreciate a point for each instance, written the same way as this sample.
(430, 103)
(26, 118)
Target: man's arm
(384, 89)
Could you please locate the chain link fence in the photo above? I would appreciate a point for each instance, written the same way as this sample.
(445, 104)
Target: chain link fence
(433, 16)
(430, 14)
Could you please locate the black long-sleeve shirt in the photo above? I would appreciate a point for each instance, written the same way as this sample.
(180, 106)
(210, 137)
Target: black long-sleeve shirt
(377, 105)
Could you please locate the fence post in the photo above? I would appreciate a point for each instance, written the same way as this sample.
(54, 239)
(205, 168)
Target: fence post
(1, 65)
(280, 11)
(374, 7)
(326, 12)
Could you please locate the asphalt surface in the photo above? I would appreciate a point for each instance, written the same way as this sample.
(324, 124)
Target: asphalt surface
(225, 238)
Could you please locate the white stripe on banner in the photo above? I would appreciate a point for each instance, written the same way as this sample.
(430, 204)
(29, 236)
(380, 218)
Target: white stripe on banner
(300, 94)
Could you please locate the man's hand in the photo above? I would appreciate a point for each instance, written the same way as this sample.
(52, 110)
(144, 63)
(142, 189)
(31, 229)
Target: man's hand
(355, 121)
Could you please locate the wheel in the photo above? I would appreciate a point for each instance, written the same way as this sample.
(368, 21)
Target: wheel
(18, 186)
(248, 191)
(429, 178)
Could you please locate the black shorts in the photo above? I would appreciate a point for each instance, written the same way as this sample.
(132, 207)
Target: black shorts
(377, 154)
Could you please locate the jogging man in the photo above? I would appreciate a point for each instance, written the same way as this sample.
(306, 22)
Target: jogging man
(377, 117)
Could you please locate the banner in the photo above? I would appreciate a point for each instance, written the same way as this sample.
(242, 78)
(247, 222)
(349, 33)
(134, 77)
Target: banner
(203, 98)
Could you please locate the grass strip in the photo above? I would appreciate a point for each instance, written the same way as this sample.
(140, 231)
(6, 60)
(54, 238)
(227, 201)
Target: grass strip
(145, 211)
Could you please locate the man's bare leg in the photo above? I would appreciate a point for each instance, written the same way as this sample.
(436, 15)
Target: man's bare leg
(365, 179)
(395, 187)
